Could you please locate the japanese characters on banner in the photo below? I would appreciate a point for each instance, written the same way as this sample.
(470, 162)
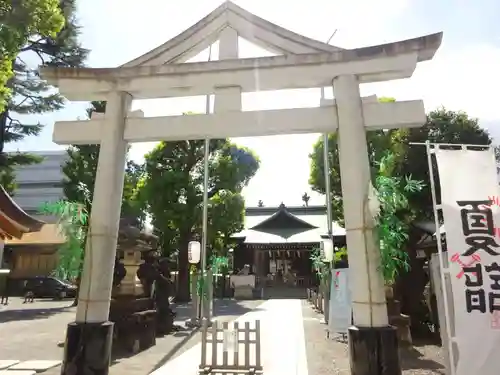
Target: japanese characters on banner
(468, 180)
(340, 312)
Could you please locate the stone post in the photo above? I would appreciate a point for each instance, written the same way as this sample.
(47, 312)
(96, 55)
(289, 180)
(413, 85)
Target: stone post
(373, 343)
(89, 338)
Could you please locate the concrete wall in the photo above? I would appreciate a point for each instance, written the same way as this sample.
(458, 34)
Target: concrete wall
(40, 183)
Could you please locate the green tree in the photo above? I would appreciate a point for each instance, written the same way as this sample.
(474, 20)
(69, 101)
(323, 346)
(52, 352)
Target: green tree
(80, 171)
(31, 95)
(442, 126)
(19, 22)
(172, 189)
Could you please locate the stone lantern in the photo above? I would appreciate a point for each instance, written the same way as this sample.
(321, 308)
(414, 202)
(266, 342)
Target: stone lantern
(132, 245)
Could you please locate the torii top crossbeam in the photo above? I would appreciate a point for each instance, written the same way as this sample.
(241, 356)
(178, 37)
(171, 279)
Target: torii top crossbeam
(161, 73)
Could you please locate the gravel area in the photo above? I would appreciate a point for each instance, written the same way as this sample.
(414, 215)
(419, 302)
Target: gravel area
(329, 356)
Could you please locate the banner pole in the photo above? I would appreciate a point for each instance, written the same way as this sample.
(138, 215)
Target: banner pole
(440, 256)
(204, 314)
(329, 224)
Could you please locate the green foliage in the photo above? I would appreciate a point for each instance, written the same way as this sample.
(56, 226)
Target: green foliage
(30, 30)
(340, 254)
(394, 217)
(319, 266)
(20, 21)
(172, 190)
(219, 264)
(442, 126)
(73, 222)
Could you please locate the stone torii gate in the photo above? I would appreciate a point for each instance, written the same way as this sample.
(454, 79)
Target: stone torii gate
(301, 63)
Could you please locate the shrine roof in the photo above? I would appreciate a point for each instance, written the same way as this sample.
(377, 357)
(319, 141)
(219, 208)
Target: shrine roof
(14, 222)
(49, 234)
(269, 225)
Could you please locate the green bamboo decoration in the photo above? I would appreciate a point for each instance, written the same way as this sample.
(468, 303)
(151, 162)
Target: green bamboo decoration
(218, 263)
(394, 217)
(72, 222)
(320, 267)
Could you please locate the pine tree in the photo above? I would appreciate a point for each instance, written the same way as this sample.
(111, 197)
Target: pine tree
(30, 94)
(20, 20)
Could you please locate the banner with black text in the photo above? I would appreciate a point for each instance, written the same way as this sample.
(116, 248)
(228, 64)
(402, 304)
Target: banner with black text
(468, 181)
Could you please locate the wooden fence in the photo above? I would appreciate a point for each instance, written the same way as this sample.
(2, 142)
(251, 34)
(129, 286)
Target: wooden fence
(218, 342)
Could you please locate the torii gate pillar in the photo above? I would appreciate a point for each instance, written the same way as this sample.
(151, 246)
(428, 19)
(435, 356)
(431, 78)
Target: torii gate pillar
(91, 328)
(373, 343)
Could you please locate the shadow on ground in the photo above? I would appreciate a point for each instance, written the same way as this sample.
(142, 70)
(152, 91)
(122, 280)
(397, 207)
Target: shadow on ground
(187, 334)
(411, 358)
(222, 308)
(30, 313)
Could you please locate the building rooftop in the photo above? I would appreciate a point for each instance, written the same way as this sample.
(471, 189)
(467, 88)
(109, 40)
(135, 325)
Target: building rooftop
(268, 225)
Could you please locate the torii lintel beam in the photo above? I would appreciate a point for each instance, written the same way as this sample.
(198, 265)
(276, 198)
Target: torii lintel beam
(241, 124)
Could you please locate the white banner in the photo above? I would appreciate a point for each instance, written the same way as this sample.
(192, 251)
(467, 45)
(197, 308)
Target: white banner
(469, 183)
(340, 310)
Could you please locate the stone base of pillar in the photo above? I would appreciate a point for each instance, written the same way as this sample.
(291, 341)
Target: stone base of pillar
(374, 351)
(87, 350)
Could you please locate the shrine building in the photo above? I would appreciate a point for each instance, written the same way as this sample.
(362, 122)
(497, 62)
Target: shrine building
(278, 241)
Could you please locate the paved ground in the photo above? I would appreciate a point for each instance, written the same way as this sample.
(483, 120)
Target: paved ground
(34, 330)
(282, 340)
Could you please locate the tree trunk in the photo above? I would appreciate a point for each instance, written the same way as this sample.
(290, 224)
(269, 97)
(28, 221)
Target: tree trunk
(183, 290)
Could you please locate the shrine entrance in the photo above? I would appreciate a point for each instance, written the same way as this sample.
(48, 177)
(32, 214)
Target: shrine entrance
(278, 242)
(301, 63)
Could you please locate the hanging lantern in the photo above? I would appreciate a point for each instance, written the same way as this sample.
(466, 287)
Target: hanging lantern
(326, 250)
(194, 252)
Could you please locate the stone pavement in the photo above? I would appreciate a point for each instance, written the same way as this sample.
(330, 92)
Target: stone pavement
(282, 340)
(34, 330)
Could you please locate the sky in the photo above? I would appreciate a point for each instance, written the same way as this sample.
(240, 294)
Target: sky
(464, 75)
